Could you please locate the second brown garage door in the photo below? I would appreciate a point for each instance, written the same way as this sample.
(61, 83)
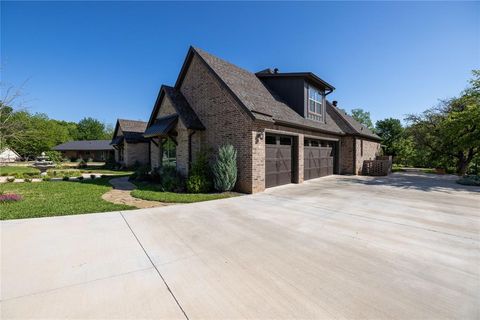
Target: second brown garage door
(278, 160)
(318, 159)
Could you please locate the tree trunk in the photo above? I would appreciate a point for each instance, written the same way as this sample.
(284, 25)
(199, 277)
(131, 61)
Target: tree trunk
(463, 162)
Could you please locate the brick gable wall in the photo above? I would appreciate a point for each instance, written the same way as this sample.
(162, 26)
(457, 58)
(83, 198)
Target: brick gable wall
(224, 119)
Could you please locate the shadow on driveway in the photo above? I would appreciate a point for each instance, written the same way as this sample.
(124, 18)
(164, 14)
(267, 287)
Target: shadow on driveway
(417, 181)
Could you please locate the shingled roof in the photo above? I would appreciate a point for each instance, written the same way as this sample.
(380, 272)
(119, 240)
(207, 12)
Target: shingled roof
(84, 145)
(132, 131)
(353, 126)
(262, 104)
(132, 125)
(181, 106)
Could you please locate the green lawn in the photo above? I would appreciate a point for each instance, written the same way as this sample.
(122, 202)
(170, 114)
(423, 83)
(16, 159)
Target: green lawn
(20, 170)
(150, 192)
(57, 198)
(4, 170)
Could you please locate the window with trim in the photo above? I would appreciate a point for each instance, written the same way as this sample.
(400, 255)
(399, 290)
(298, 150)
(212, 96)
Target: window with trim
(315, 104)
(169, 153)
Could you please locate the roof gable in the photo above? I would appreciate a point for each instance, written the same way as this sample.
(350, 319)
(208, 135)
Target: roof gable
(186, 114)
(125, 126)
(253, 95)
(261, 104)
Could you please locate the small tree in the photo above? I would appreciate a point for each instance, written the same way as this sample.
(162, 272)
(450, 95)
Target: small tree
(225, 169)
(363, 117)
(390, 130)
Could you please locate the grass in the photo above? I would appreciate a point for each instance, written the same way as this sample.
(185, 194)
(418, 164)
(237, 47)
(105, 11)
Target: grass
(9, 170)
(21, 170)
(151, 192)
(398, 168)
(57, 198)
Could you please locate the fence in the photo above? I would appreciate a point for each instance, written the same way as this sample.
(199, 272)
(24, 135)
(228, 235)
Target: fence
(381, 166)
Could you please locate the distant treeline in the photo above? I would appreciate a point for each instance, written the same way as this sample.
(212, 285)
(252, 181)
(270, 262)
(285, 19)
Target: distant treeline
(30, 134)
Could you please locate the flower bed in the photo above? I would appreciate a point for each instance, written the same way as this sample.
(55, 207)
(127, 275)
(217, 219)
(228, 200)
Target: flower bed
(10, 197)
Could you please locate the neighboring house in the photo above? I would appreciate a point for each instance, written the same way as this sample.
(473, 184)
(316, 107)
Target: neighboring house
(97, 150)
(9, 155)
(131, 147)
(284, 129)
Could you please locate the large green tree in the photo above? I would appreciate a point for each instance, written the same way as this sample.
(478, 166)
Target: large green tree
(363, 117)
(390, 130)
(451, 131)
(91, 129)
(39, 134)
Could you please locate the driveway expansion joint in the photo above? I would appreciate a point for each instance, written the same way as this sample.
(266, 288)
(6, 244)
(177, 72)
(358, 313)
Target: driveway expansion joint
(154, 266)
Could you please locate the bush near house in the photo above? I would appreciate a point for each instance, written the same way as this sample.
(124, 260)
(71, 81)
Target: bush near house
(225, 169)
(200, 176)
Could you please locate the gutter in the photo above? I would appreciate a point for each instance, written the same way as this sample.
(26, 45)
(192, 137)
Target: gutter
(190, 148)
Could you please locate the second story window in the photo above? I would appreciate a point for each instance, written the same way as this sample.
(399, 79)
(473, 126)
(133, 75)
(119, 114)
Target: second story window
(315, 104)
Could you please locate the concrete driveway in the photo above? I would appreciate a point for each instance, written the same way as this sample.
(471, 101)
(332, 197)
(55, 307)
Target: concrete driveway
(402, 247)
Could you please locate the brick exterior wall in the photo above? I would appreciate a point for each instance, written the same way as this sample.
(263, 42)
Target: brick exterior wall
(224, 119)
(370, 150)
(154, 154)
(166, 109)
(135, 153)
(95, 155)
(226, 122)
(347, 155)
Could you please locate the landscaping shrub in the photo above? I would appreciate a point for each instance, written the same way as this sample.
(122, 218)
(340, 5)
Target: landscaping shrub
(54, 156)
(80, 178)
(171, 180)
(141, 174)
(66, 178)
(31, 175)
(89, 160)
(200, 178)
(9, 197)
(4, 174)
(82, 163)
(198, 184)
(225, 169)
(11, 179)
(92, 176)
(469, 180)
(27, 180)
(46, 178)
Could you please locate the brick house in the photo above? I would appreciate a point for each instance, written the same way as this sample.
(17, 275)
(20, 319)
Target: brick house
(96, 150)
(284, 129)
(131, 147)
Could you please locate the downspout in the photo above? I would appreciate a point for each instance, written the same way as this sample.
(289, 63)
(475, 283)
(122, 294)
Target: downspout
(149, 153)
(324, 102)
(190, 148)
(355, 155)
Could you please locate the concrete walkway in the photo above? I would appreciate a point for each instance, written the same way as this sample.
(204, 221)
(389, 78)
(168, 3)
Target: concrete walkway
(121, 195)
(341, 247)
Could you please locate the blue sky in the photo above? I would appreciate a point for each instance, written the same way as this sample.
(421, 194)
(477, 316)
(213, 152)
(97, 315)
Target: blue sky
(108, 59)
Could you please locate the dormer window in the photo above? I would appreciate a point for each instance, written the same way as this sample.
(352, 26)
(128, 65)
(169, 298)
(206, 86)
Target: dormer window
(315, 104)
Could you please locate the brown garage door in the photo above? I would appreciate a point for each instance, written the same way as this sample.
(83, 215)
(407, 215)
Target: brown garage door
(278, 160)
(318, 159)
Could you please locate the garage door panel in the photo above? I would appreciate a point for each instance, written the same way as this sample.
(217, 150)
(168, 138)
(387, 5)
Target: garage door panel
(318, 161)
(278, 162)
